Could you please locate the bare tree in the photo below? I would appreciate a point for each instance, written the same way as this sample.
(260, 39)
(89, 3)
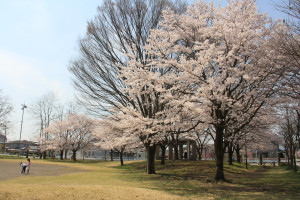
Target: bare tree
(288, 44)
(289, 131)
(292, 9)
(5, 109)
(44, 112)
(121, 27)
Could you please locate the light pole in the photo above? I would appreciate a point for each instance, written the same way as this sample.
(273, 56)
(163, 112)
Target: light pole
(23, 108)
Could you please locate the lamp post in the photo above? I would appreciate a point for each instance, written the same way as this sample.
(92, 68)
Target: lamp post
(23, 108)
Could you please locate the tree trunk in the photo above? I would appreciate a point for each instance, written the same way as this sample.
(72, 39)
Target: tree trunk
(150, 158)
(260, 162)
(278, 159)
(176, 151)
(27, 152)
(230, 154)
(61, 154)
(295, 161)
(219, 154)
(238, 155)
(200, 151)
(199, 154)
(288, 157)
(44, 155)
(163, 154)
(74, 155)
(66, 154)
(111, 155)
(121, 157)
(291, 157)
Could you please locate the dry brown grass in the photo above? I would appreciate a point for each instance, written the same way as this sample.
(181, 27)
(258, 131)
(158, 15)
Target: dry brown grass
(99, 181)
(175, 180)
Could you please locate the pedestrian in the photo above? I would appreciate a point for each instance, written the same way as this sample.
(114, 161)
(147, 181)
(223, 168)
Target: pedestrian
(23, 166)
(28, 165)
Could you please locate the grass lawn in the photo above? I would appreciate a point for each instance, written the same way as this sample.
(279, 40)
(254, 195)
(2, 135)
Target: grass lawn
(175, 180)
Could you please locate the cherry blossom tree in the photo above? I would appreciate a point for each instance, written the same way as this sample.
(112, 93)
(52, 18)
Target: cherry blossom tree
(214, 62)
(289, 131)
(110, 136)
(58, 137)
(80, 128)
(121, 28)
(202, 137)
(74, 133)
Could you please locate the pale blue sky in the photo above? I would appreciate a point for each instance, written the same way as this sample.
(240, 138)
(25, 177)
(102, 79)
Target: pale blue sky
(37, 40)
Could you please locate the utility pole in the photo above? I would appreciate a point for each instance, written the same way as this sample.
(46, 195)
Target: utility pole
(246, 151)
(23, 108)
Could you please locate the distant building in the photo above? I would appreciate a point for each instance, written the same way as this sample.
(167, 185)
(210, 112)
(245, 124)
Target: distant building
(22, 146)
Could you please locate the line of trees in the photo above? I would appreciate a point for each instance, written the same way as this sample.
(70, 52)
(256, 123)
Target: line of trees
(47, 112)
(156, 71)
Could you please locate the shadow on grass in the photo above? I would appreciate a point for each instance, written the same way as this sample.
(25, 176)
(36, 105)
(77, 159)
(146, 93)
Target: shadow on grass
(196, 178)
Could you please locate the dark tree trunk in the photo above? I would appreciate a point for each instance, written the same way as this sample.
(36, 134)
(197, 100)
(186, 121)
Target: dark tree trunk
(150, 158)
(200, 151)
(163, 154)
(260, 162)
(230, 154)
(219, 154)
(199, 155)
(44, 155)
(288, 157)
(111, 155)
(62, 154)
(278, 159)
(74, 155)
(27, 152)
(121, 157)
(295, 161)
(66, 154)
(238, 155)
(176, 152)
(291, 157)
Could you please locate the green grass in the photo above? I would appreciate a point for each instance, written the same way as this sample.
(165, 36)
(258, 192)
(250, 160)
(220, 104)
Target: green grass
(10, 157)
(175, 180)
(196, 179)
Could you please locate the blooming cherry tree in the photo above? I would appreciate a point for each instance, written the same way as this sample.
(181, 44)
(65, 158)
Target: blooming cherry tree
(212, 63)
(73, 132)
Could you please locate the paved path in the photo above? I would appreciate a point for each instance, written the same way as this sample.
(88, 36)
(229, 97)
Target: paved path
(11, 169)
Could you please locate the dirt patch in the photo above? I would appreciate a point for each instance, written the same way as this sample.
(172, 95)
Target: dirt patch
(12, 169)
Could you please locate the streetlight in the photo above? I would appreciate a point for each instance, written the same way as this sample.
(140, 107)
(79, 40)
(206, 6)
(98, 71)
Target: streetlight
(23, 108)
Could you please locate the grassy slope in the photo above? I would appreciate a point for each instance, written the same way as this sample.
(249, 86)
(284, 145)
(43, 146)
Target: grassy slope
(176, 180)
(195, 179)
